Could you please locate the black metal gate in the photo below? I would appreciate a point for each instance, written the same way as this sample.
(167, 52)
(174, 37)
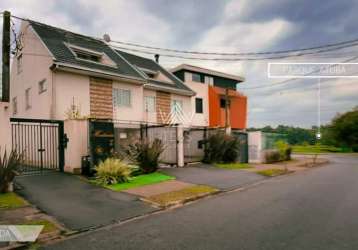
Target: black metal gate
(41, 142)
(244, 146)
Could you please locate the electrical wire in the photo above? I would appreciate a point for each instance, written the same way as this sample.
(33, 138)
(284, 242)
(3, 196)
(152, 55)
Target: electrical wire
(323, 48)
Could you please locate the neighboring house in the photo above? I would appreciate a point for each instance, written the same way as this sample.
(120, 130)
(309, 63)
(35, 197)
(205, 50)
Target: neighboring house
(57, 69)
(210, 100)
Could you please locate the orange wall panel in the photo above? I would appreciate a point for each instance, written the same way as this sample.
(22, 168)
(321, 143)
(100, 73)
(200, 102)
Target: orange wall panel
(238, 112)
(214, 108)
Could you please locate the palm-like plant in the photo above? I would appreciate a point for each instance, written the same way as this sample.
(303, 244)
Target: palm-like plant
(9, 165)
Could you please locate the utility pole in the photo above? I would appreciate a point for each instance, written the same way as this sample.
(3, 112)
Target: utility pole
(227, 121)
(6, 57)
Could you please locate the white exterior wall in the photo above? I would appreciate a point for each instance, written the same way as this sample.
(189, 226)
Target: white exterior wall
(184, 118)
(255, 147)
(150, 117)
(36, 62)
(71, 88)
(133, 113)
(201, 90)
(5, 128)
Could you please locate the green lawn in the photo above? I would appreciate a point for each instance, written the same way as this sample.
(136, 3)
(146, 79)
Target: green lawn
(316, 149)
(233, 165)
(141, 180)
(11, 200)
(272, 172)
(185, 194)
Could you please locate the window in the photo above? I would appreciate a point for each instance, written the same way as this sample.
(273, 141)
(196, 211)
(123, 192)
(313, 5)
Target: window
(28, 98)
(177, 106)
(19, 64)
(121, 98)
(14, 105)
(42, 86)
(195, 77)
(223, 103)
(149, 103)
(87, 56)
(209, 80)
(199, 105)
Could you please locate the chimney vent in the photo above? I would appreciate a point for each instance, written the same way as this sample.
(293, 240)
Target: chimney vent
(156, 56)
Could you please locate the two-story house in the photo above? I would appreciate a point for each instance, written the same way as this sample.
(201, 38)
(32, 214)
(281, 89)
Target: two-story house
(213, 89)
(57, 69)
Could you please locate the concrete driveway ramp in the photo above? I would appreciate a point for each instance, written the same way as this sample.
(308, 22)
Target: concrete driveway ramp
(224, 179)
(78, 204)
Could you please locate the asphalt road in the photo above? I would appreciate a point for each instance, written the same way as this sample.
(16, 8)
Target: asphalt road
(315, 209)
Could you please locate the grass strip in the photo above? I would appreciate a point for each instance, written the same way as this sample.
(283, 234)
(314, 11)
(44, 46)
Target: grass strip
(141, 180)
(272, 172)
(233, 165)
(189, 193)
(11, 200)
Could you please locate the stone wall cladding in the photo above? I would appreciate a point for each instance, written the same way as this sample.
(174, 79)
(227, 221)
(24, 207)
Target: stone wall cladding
(163, 106)
(101, 101)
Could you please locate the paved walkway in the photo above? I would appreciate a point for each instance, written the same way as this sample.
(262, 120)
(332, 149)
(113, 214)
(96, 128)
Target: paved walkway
(77, 204)
(158, 188)
(204, 174)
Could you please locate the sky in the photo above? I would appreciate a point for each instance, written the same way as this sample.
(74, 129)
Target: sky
(228, 26)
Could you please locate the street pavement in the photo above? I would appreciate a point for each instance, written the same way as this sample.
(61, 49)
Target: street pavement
(313, 209)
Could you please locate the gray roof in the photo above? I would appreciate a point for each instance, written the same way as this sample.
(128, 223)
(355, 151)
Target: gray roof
(56, 39)
(152, 65)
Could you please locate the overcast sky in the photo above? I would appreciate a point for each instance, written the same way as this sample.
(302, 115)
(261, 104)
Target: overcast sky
(227, 26)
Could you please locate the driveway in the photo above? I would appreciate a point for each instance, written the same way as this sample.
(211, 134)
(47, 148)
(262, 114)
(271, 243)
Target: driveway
(77, 204)
(223, 179)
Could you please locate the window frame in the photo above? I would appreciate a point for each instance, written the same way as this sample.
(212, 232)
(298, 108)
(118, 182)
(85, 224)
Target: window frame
(201, 110)
(44, 87)
(28, 103)
(154, 104)
(197, 75)
(121, 104)
(174, 105)
(19, 64)
(14, 105)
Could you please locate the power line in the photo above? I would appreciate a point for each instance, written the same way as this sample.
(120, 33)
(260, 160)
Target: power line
(236, 59)
(323, 48)
(236, 54)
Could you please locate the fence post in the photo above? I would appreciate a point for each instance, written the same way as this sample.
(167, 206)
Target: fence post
(180, 146)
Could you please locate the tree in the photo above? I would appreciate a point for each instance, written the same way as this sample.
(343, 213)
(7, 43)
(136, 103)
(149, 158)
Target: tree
(344, 129)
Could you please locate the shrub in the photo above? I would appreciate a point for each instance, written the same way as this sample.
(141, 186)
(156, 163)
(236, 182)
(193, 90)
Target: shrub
(284, 149)
(146, 155)
(231, 153)
(112, 171)
(272, 156)
(9, 166)
(221, 148)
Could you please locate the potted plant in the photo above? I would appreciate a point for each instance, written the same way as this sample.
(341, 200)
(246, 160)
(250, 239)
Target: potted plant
(9, 165)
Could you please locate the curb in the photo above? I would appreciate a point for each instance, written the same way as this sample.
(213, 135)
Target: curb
(180, 202)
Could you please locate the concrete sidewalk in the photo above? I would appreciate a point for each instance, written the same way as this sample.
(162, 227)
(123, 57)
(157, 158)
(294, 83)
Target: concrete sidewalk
(77, 204)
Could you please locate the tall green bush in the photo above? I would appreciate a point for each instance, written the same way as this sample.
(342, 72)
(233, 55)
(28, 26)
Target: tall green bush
(221, 148)
(146, 155)
(9, 167)
(284, 150)
(112, 171)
